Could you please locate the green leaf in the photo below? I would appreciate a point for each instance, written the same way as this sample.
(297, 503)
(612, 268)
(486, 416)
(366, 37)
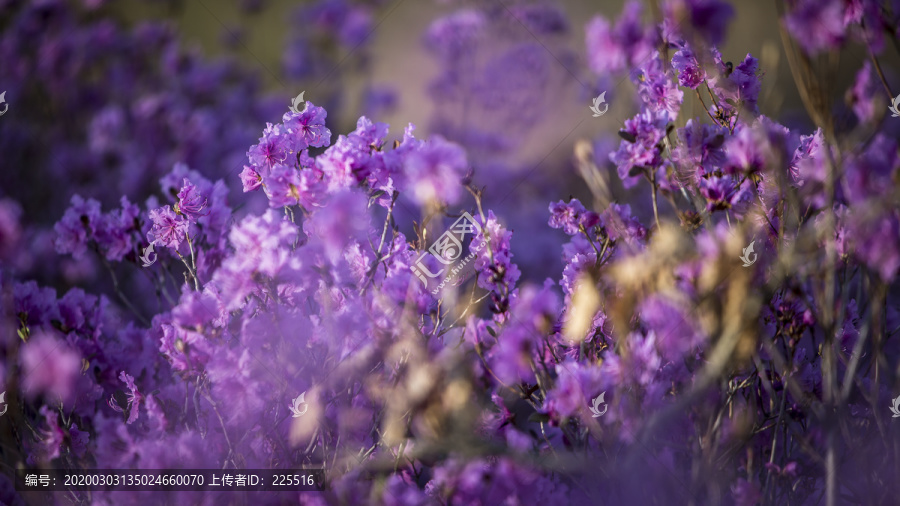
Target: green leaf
(491, 331)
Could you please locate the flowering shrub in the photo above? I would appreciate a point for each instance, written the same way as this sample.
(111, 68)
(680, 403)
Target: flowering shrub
(655, 368)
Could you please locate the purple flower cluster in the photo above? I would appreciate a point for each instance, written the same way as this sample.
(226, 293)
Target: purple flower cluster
(120, 105)
(728, 339)
(614, 47)
(84, 226)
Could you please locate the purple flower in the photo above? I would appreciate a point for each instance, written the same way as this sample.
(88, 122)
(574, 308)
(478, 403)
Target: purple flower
(643, 365)
(356, 27)
(282, 186)
(133, 398)
(343, 220)
(541, 19)
(368, 134)
(307, 128)
(690, 73)
(49, 367)
(185, 350)
(734, 88)
(435, 171)
(656, 89)
(863, 95)
(817, 25)
(169, 229)
(512, 357)
(274, 148)
(10, 228)
(875, 234)
(809, 159)
(640, 150)
(79, 311)
(401, 489)
(195, 309)
(340, 21)
(760, 147)
(250, 179)
(52, 439)
(190, 202)
(261, 242)
(311, 298)
(79, 440)
(808, 169)
(343, 165)
(746, 79)
(841, 232)
(571, 216)
(114, 232)
(620, 224)
(625, 44)
(723, 193)
(871, 174)
(105, 129)
(288, 186)
(34, 304)
(173, 181)
(861, 16)
(700, 150)
(676, 336)
(576, 385)
(455, 35)
(84, 224)
(579, 256)
(744, 152)
(496, 270)
(77, 226)
(357, 157)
